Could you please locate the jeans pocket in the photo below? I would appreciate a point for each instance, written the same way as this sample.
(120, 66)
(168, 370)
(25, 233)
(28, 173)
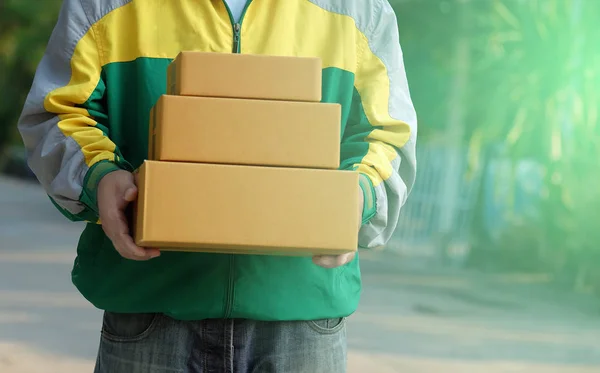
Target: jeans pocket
(328, 326)
(128, 327)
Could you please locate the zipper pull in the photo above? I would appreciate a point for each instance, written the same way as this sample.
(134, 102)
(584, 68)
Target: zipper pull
(236, 37)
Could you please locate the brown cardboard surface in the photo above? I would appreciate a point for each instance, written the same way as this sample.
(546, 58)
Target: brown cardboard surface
(246, 132)
(246, 209)
(245, 76)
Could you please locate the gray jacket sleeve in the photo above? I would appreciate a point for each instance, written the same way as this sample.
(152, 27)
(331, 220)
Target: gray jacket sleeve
(63, 123)
(381, 133)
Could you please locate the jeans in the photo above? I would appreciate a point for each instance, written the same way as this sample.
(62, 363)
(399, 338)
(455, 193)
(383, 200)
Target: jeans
(155, 343)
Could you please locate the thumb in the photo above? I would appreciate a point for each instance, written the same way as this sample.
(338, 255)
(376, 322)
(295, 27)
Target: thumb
(130, 193)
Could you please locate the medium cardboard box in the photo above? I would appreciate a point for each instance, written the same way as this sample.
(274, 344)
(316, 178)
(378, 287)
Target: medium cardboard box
(237, 75)
(246, 209)
(245, 132)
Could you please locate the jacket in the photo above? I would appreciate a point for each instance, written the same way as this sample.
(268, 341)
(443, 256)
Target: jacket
(87, 115)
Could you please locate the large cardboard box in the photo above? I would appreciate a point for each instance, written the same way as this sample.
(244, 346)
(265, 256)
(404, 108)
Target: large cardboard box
(246, 209)
(245, 76)
(245, 132)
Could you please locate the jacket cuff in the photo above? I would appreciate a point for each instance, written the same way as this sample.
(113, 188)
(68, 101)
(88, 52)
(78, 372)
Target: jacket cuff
(370, 199)
(89, 196)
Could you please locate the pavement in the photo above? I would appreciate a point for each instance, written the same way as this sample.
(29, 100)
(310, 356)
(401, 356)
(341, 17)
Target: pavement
(413, 318)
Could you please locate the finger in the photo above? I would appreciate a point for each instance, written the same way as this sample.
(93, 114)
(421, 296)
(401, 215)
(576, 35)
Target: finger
(128, 248)
(118, 232)
(153, 252)
(125, 254)
(333, 261)
(139, 252)
(114, 223)
(325, 261)
(348, 258)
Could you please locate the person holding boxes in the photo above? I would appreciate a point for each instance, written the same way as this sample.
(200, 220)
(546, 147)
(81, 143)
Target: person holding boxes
(229, 159)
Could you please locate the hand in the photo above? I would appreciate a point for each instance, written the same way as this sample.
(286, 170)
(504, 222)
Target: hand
(115, 191)
(333, 261)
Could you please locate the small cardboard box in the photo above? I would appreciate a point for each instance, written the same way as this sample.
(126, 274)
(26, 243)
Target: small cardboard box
(237, 75)
(246, 209)
(245, 132)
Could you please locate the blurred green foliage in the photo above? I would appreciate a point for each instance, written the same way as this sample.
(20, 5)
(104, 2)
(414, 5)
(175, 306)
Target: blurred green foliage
(25, 26)
(545, 66)
(531, 84)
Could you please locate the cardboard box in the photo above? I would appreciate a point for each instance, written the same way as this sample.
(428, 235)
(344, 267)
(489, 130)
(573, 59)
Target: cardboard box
(246, 209)
(237, 75)
(246, 132)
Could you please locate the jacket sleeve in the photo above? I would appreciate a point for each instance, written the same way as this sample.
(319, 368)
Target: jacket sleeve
(64, 123)
(380, 137)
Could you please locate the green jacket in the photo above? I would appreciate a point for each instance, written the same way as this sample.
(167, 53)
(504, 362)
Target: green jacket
(87, 115)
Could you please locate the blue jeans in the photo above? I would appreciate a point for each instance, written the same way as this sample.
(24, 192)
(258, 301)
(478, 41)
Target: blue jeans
(155, 343)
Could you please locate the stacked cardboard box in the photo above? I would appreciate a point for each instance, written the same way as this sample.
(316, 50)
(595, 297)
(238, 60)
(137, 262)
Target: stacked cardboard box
(243, 158)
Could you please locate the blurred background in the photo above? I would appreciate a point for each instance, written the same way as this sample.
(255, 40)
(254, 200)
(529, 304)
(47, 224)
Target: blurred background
(495, 265)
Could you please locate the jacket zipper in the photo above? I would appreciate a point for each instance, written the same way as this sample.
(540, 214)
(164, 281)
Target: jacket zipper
(237, 47)
(237, 26)
(236, 38)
